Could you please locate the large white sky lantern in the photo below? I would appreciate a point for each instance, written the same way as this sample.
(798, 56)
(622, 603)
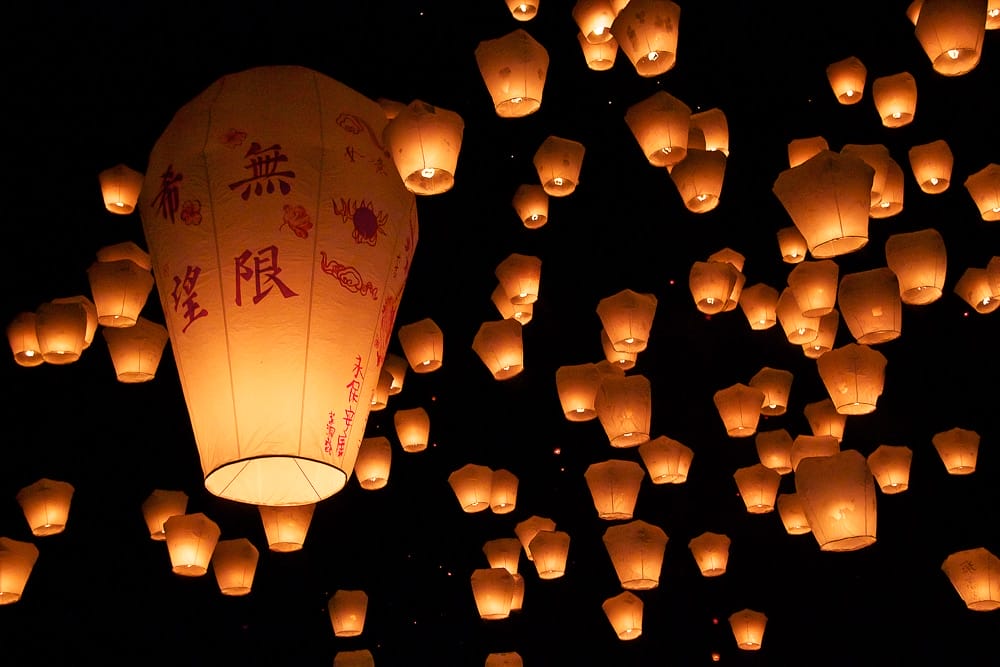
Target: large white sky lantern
(281, 237)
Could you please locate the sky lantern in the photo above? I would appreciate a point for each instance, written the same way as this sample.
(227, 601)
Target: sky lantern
(599, 57)
(120, 187)
(847, 79)
(711, 283)
(160, 506)
(895, 98)
(503, 552)
(748, 629)
(136, 350)
(380, 397)
(758, 487)
(45, 505)
(520, 313)
(286, 526)
(824, 419)
(396, 365)
(951, 34)
(500, 347)
(975, 574)
(523, 10)
(520, 275)
(660, 124)
(793, 514)
(374, 462)
(558, 162)
(624, 407)
(699, 178)
(513, 68)
(854, 376)
(347, 610)
(191, 540)
(711, 553)
(594, 18)
(826, 335)
(799, 329)
(413, 427)
(306, 250)
(493, 590)
(614, 487)
(759, 303)
(423, 345)
(667, 461)
(920, 261)
(61, 331)
(120, 280)
(714, 127)
(425, 142)
(776, 383)
(503, 491)
(620, 358)
(636, 549)
(792, 244)
(737, 260)
(627, 317)
(739, 405)
(91, 309)
(993, 15)
(550, 552)
(22, 335)
(647, 32)
(814, 284)
(17, 560)
(984, 188)
(531, 203)
(870, 304)
(932, 163)
(890, 464)
(958, 449)
(504, 658)
(975, 288)
(800, 150)
(624, 612)
(774, 449)
(361, 657)
(392, 108)
(805, 446)
(893, 193)
(528, 528)
(838, 494)
(577, 386)
(235, 563)
(877, 157)
(471, 484)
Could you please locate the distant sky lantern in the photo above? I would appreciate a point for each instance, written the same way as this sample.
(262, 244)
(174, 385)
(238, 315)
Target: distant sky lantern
(361, 657)
(45, 505)
(636, 549)
(599, 57)
(893, 193)
(391, 107)
(793, 514)
(975, 289)
(523, 10)
(737, 260)
(748, 629)
(517, 600)
(824, 419)
(423, 345)
(870, 305)
(895, 98)
(627, 317)
(374, 463)
(528, 528)
(711, 284)
(890, 464)
(136, 350)
(513, 68)
(800, 150)
(493, 590)
(623, 360)
(975, 575)
(520, 275)
(503, 552)
(660, 124)
(847, 79)
(396, 365)
(558, 162)
(120, 186)
(191, 540)
(774, 449)
(282, 246)
(471, 485)
(61, 330)
(120, 281)
(699, 178)
(500, 347)
(984, 188)
(624, 407)
(792, 244)
(17, 560)
(805, 446)
(286, 526)
(711, 553)
(799, 329)
(951, 33)
(521, 312)
(160, 506)
(759, 303)
(503, 492)
(932, 163)
(614, 487)
(776, 383)
(877, 157)
(739, 405)
(758, 487)
(838, 495)
(425, 142)
(958, 449)
(380, 397)
(814, 284)
(550, 553)
(647, 32)
(235, 563)
(854, 376)
(826, 335)
(22, 334)
(667, 461)
(920, 261)
(347, 610)
(714, 127)
(504, 659)
(594, 18)
(91, 309)
(577, 386)
(413, 427)
(624, 612)
(828, 198)
(531, 203)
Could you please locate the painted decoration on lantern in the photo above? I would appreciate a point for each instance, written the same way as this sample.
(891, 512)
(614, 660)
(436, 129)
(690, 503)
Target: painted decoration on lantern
(282, 241)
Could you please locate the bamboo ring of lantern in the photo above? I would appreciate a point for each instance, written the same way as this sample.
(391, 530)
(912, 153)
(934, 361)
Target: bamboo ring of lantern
(984, 188)
(425, 142)
(759, 304)
(951, 33)
(920, 261)
(513, 68)
(558, 162)
(932, 164)
(309, 252)
(120, 187)
(667, 461)
(17, 559)
(660, 124)
(624, 612)
(647, 32)
(627, 318)
(838, 495)
(847, 79)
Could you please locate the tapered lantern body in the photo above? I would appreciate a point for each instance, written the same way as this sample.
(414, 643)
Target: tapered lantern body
(624, 612)
(975, 288)
(714, 127)
(558, 162)
(504, 659)
(520, 313)
(774, 449)
(577, 386)
(951, 34)
(847, 79)
(667, 461)
(61, 330)
(878, 158)
(357, 658)
(814, 284)
(805, 446)
(793, 514)
(160, 506)
(958, 449)
(636, 549)
(22, 334)
(826, 336)
(777, 386)
(748, 629)
(472, 484)
(660, 123)
(627, 317)
(503, 552)
(513, 68)
(17, 560)
(423, 345)
(711, 553)
(984, 188)
(520, 277)
(348, 609)
(286, 526)
(531, 203)
(758, 487)
(396, 365)
(975, 574)
(413, 426)
(550, 552)
(624, 407)
(759, 303)
(854, 376)
(870, 304)
(45, 505)
(523, 10)
(739, 405)
(737, 260)
(893, 193)
(499, 346)
(374, 463)
(800, 150)
(699, 178)
(503, 492)
(235, 563)
(620, 358)
(191, 540)
(792, 244)
(527, 529)
(711, 283)
(91, 309)
(594, 18)
(599, 57)
(825, 419)
(517, 601)
(647, 32)
(895, 98)
(920, 261)
(120, 281)
(282, 263)
(838, 494)
(136, 350)
(614, 487)
(120, 187)
(932, 164)
(493, 589)
(891, 467)
(380, 397)
(799, 329)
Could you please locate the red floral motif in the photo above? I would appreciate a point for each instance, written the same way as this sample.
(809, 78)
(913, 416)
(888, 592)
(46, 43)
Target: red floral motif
(368, 223)
(191, 212)
(233, 138)
(297, 219)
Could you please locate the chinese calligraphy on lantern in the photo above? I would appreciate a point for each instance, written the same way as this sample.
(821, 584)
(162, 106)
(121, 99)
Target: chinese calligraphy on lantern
(263, 272)
(263, 166)
(184, 288)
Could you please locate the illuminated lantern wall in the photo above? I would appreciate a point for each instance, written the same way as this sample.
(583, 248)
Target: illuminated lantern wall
(975, 574)
(347, 609)
(627, 317)
(624, 407)
(814, 285)
(667, 461)
(286, 527)
(838, 495)
(472, 484)
(425, 141)
(361, 657)
(636, 549)
(527, 530)
(493, 589)
(739, 406)
(854, 376)
(558, 162)
(120, 281)
(22, 334)
(871, 306)
(374, 462)
(136, 350)
(614, 487)
(413, 427)
(920, 261)
(748, 629)
(281, 265)
(711, 552)
(758, 487)
(17, 559)
(891, 467)
(647, 32)
(951, 33)
(550, 551)
(847, 79)
(191, 540)
(499, 346)
(513, 68)
(800, 150)
(577, 385)
(624, 612)
(958, 449)
(61, 328)
(235, 563)
(45, 504)
(423, 345)
(984, 188)
(895, 98)
(120, 186)
(531, 203)
(932, 163)
(660, 125)
(759, 303)
(160, 506)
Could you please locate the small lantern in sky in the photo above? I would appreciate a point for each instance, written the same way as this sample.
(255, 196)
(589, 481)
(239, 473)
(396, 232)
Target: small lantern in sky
(550, 552)
(558, 162)
(958, 449)
(799, 329)
(774, 449)
(620, 358)
(374, 462)
(61, 330)
(380, 397)
(800, 150)
(160, 506)
(758, 487)
(814, 284)
(523, 10)
(847, 79)
(425, 142)
(624, 612)
(838, 495)
(493, 590)
(951, 34)
(793, 514)
(45, 505)
(599, 57)
(503, 491)
(513, 68)
(396, 365)
(423, 345)
(739, 405)
(17, 559)
(136, 350)
(577, 385)
(893, 192)
(714, 127)
(500, 347)
(120, 280)
(348, 609)
(647, 32)
(759, 303)
(191, 540)
(504, 658)
(120, 186)
(286, 526)
(890, 464)
(91, 309)
(854, 376)
(614, 487)
(636, 549)
(624, 407)
(776, 384)
(531, 203)
(932, 164)
(975, 288)
(471, 484)
(413, 427)
(627, 317)
(520, 275)
(877, 157)
(826, 335)
(699, 178)
(792, 244)
(22, 334)
(594, 19)
(527, 529)
(503, 552)
(975, 574)
(660, 124)
(520, 313)
(824, 419)
(667, 461)
(711, 283)
(711, 553)
(748, 629)
(920, 261)
(984, 188)
(870, 304)
(235, 563)
(737, 260)
(895, 98)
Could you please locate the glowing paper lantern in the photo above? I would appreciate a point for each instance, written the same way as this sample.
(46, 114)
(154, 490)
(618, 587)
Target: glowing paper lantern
(503, 492)
(306, 254)
(660, 124)
(737, 260)
(624, 612)
(895, 98)
(758, 487)
(621, 359)
(45, 505)
(711, 553)
(191, 540)
(920, 261)
(870, 304)
(392, 108)
(847, 79)
(636, 549)
(61, 329)
(893, 193)
(624, 407)
(714, 128)
(286, 526)
(792, 244)
(471, 484)
(160, 506)
(513, 68)
(975, 288)
(558, 162)
(838, 495)
(984, 187)
(396, 365)
(380, 397)
(647, 32)
(594, 18)
(627, 317)
(577, 386)
(799, 329)
(504, 659)
(958, 449)
(493, 589)
(120, 186)
(520, 276)
(527, 529)
(951, 34)
(800, 150)
(776, 385)
(667, 461)
(121, 281)
(614, 487)
(522, 10)
(599, 57)
(136, 350)
(22, 334)
(235, 563)
(348, 609)
(824, 419)
(425, 141)
(711, 283)
(878, 158)
(413, 427)
(993, 15)
(932, 164)
(699, 178)
(17, 559)
(891, 467)
(550, 551)
(520, 313)
(814, 284)
(854, 376)
(91, 309)
(805, 446)
(357, 658)
(774, 449)
(748, 629)
(975, 574)
(826, 336)
(793, 514)
(759, 303)
(517, 600)
(374, 463)
(423, 345)
(739, 405)
(499, 346)
(532, 205)
(503, 552)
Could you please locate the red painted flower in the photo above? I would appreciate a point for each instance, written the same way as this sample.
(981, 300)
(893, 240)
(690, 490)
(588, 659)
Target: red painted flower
(191, 212)
(297, 219)
(233, 138)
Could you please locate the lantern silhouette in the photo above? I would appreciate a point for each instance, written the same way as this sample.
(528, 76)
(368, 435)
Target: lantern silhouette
(624, 407)
(714, 128)
(958, 449)
(531, 203)
(660, 124)
(503, 492)
(423, 345)
(61, 329)
(424, 141)
(667, 461)
(493, 589)
(522, 10)
(758, 487)
(235, 563)
(191, 540)
(558, 162)
(91, 309)
(499, 346)
(120, 186)
(624, 612)
(774, 449)
(951, 34)
(975, 574)
(286, 526)
(699, 178)
(711, 283)
(614, 487)
(805, 446)
(759, 303)
(793, 514)
(814, 284)
(828, 198)
(503, 552)
(374, 462)
(826, 336)
(357, 658)
(136, 350)
(974, 288)
(520, 276)
(160, 506)
(348, 609)
(825, 419)
(792, 244)
(871, 306)
(838, 495)
(550, 551)
(932, 164)
(736, 260)
(471, 484)
(316, 249)
(895, 98)
(800, 150)
(984, 188)
(646, 31)
(621, 359)
(577, 386)
(396, 365)
(413, 427)
(892, 192)
(847, 79)
(17, 560)
(636, 549)
(891, 467)
(504, 659)
(776, 385)
(854, 376)
(711, 553)
(920, 261)
(527, 529)
(739, 405)
(22, 334)
(45, 505)
(513, 68)
(748, 629)
(599, 57)
(627, 318)
(120, 280)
